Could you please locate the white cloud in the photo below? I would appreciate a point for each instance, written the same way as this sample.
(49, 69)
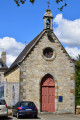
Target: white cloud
(10, 59)
(12, 48)
(67, 31)
(73, 52)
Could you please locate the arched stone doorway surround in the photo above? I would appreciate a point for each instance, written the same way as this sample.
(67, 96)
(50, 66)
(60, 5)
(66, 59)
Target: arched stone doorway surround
(48, 84)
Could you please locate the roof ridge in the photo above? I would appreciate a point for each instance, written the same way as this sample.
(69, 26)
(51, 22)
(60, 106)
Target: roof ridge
(33, 44)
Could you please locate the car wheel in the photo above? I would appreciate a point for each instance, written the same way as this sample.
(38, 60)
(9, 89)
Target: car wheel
(6, 117)
(35, 116)
(18, 116)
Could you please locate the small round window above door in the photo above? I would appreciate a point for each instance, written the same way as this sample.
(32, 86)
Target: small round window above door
(48, 53)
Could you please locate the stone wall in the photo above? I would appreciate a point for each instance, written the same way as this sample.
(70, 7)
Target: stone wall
(11, 87)
(12, 76)
(36, 66)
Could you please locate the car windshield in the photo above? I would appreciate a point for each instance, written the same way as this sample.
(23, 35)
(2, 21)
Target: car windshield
(2, 102)
(27, 104)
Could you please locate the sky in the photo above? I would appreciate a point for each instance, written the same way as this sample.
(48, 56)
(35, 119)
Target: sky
(23, 23)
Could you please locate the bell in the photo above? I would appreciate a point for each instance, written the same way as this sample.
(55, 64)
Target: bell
(47, 25)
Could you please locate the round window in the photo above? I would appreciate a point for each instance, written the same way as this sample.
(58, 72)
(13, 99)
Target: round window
(48, 52)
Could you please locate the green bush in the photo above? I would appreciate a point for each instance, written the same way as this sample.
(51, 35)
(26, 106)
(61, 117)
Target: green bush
(78, 81)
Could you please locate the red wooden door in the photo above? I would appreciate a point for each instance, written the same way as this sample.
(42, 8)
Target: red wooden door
(51, 99)
(48, 94)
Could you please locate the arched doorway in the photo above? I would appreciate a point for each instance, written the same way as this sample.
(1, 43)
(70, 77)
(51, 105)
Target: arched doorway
(48, 94)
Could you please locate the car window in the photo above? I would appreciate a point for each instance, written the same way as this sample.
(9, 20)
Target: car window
(27, 104)
(2, 102)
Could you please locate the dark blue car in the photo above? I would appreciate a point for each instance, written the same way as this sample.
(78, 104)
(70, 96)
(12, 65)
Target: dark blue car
(25, 108)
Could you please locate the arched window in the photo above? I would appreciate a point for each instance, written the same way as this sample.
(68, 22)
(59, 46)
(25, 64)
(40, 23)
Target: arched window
(13, 89)
(13, 95)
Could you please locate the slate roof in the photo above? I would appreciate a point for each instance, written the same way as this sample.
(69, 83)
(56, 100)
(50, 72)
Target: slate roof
(4, 66)
(25, 52)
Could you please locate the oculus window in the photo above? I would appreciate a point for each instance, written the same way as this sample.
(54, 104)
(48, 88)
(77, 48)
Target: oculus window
(48, 52)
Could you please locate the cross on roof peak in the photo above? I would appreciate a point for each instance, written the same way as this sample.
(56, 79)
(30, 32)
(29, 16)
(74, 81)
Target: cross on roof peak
(48, 4)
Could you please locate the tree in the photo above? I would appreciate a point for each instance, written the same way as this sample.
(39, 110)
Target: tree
(18, 2)
(78, 81)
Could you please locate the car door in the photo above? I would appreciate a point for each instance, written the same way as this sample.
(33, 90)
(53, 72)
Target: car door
(3, 107)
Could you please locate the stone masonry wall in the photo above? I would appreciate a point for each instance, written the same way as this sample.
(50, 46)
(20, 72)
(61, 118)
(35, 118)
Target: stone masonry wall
(11, 89)
(13, 76)
(36, 66)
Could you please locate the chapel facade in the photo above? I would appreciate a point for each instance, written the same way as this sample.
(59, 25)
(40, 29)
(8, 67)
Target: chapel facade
(44, 73)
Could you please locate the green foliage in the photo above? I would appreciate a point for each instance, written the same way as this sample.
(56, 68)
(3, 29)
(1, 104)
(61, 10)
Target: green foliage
(78, 81)
(58, 1)
(32, 1)
(18, 2)
(64, 5)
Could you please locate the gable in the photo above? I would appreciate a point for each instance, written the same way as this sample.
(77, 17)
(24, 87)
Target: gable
(52, 39)
(52, 42)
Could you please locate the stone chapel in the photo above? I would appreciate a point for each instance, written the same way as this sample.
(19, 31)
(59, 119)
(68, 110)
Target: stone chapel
(43, 73)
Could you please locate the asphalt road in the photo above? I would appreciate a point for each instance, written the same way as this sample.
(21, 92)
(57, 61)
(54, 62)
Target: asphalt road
(48, 117)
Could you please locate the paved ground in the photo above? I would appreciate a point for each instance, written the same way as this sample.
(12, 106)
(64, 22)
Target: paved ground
(48, 117)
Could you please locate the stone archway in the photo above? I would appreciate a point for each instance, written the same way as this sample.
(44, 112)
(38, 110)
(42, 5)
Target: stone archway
(48, 94)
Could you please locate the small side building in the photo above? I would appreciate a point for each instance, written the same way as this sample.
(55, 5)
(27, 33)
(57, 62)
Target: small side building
(3, 68)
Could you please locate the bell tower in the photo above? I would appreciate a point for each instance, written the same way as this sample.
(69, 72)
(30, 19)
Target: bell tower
(48, 19)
